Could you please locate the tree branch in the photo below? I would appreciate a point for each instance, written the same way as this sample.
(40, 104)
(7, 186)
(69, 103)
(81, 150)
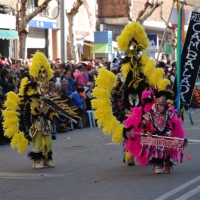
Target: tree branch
(130, 10)
(150, 11)
(39, 9)
(23, 2)
(75, 8)
(162, 17)
(141, 13)
(173, 41)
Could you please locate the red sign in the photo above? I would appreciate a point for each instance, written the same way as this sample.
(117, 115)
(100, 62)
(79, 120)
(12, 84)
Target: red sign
(82, 33)
(162, 142)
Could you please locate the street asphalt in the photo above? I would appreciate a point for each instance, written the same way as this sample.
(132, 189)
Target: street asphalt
(88, 166)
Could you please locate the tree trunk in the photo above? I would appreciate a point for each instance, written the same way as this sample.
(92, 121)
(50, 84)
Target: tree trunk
(73, 44)
(23, 33)
(22, 45)
(70, 16)
(23, 24)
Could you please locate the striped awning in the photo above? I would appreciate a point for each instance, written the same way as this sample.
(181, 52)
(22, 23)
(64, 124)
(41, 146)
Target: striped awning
(8, 34)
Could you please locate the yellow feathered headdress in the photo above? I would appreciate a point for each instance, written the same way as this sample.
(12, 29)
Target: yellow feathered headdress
(133, 32)
(39, 62)
(41, 71)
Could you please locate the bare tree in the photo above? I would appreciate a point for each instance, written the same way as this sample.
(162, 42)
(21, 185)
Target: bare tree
(149, 7)
(130, 10)
(70, 16)
(23, 29)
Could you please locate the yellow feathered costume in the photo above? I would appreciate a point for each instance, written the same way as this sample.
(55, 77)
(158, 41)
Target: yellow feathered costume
(30, 113)
(138, 73)
(11, 123)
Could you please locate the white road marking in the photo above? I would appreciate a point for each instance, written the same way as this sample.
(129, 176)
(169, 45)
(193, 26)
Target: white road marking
(178, 189)
(27, 175)
(189, 194)
(111, 143)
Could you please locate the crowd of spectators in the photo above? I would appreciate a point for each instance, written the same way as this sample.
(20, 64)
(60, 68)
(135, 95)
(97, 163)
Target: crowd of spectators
(71, 81)
(169, 67)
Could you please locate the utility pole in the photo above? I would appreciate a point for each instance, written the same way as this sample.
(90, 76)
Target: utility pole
(63, 30)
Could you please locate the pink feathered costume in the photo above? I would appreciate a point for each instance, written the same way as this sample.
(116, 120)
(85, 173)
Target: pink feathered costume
(133, 145)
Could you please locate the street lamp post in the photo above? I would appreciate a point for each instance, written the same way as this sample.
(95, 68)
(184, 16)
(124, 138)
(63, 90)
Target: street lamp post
(63, 31)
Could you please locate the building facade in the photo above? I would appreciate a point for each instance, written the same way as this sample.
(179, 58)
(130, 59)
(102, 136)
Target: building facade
(8, 33)
(114, 15)
(43, 29)
(85, 25)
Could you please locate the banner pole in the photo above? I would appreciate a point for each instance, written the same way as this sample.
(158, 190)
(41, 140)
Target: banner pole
(179, 48)
(163, 37)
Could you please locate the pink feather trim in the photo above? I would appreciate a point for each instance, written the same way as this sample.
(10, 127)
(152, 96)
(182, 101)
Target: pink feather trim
(135, 119)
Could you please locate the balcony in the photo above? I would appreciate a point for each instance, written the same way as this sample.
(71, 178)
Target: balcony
(8, 3)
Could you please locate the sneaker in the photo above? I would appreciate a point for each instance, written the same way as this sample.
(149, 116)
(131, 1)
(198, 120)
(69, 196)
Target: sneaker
(167, 168)
(48, 164)
(38, 165)
(158, 169)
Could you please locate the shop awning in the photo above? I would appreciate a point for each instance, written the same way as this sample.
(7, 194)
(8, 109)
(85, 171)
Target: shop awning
(8, 34)
(100, 48)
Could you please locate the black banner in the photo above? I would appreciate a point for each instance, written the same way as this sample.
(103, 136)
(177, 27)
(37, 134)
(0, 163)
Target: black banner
(190, 60)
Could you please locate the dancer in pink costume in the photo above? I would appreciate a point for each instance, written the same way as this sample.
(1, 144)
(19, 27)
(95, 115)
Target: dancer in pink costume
(156, 116)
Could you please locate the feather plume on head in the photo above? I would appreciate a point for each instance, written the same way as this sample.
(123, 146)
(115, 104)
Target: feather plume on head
(40, 62)
(41, 71)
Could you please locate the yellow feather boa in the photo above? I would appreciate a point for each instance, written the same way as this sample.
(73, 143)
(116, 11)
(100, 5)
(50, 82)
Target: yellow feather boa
(11, 123)
(103, 106)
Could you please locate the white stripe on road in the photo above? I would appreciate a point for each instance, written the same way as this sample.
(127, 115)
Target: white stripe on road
(189, 194)
(178, 189)
(27, 175)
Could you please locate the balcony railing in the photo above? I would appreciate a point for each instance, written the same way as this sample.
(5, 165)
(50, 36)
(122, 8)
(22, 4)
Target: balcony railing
(8, 3)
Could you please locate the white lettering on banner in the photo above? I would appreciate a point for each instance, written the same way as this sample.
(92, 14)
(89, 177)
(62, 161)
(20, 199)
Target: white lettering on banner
(196, 29)
(190, 58)
(193, 44)
(195, 17)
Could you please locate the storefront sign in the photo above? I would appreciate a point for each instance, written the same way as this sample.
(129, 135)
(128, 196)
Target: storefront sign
(153, 41)
(102, 37)
(42, 24)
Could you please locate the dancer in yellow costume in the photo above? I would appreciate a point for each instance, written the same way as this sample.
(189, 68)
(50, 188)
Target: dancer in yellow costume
(41, 127)
(138, 74)
(29, 114)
